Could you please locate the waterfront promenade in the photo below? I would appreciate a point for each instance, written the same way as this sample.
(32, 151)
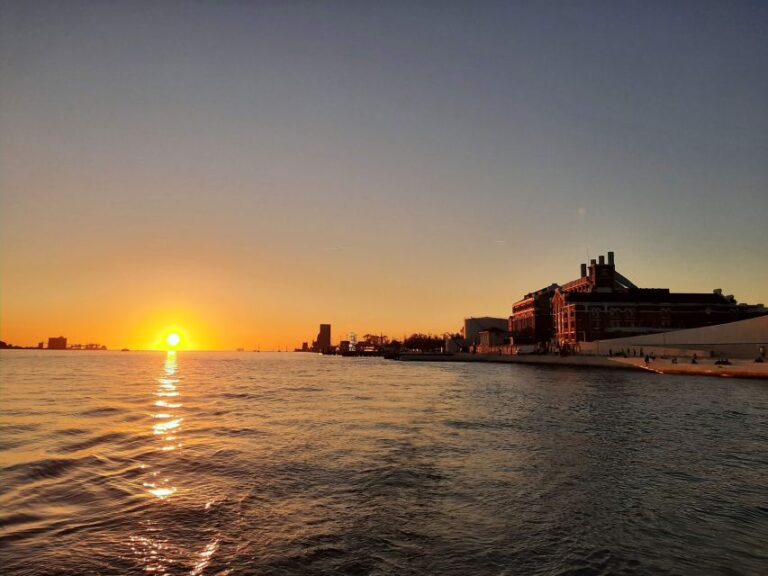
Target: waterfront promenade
(704, 367)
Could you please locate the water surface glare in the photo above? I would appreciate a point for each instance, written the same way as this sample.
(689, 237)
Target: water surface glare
(253, 463)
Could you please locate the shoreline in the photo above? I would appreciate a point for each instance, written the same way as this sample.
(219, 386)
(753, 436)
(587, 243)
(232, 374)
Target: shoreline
(705, 367)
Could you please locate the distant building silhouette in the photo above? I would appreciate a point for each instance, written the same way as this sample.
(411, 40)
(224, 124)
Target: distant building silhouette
(323, 342)
(474, 326)
(59, 343)
(493, 340)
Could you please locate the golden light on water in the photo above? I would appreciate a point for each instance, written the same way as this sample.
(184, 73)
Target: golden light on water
(162, 492)
(163, 427)
(167, 421)
(164, 404)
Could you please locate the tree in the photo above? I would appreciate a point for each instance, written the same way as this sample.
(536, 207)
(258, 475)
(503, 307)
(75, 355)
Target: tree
(375, 340)
(424, 342)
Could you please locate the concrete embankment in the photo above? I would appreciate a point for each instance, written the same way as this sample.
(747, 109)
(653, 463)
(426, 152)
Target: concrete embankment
(541, 360)
(705, 367)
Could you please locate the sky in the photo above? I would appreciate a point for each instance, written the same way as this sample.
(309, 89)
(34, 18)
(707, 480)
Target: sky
(242, 171)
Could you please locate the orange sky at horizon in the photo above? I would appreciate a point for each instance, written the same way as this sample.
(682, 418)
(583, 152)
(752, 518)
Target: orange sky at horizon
(229, 311)
(224, 313)
(198, 331)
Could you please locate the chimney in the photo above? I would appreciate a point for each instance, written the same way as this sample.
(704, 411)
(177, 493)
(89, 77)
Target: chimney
(602, 260)
(610, 258)
(592, 262)
(583, 270)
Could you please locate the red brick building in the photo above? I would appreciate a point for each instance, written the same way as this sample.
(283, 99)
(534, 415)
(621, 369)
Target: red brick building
(531, 320)
(603, 304)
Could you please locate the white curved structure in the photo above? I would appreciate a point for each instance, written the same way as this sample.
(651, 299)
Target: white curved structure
(742, 339)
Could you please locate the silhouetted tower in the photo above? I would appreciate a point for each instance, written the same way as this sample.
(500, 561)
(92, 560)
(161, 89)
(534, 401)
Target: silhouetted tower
(323, 341)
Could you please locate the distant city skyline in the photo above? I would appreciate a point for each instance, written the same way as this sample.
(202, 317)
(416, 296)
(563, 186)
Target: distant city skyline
(239, 173)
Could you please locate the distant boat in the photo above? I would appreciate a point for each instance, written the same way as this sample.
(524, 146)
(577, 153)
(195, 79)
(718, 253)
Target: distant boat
(125, 350)
(241, 350)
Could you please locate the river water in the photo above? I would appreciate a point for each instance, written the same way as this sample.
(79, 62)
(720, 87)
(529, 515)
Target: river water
(254, 463)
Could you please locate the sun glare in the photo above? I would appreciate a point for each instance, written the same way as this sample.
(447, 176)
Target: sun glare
(173, 340)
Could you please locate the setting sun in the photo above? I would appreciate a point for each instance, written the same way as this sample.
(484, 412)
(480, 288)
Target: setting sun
(169, 334)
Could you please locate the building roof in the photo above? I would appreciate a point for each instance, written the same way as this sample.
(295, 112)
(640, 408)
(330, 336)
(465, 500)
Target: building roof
(649, 295)
(531, 295)
(485, 322)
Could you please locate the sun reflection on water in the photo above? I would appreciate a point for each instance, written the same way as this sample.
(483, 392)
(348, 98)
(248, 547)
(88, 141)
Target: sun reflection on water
(168, 424)
(153, 549)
